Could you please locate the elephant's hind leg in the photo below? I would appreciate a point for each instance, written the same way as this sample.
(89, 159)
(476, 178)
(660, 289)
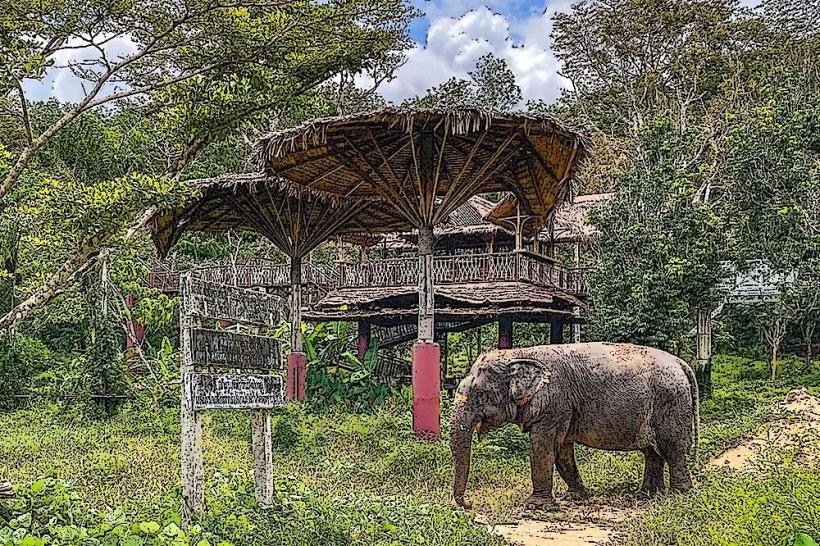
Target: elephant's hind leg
(568, 470)
(680, 479)
(652, 472)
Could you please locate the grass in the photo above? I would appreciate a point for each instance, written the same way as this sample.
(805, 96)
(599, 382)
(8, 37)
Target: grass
(346, 478)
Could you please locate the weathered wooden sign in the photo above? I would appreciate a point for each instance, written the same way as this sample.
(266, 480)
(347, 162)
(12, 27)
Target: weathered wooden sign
(235, 391)
(257, 391)
(231, 350)
(207, 299)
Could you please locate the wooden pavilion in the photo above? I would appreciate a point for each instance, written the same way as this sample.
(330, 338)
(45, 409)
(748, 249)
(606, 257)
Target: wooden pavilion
(424, 165)
(396, 170)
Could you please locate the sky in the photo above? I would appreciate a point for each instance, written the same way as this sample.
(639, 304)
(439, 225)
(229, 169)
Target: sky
(448, 40)
(453, 34)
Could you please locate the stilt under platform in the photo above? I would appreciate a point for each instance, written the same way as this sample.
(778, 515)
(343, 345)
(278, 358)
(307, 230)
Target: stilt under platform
(505, 332)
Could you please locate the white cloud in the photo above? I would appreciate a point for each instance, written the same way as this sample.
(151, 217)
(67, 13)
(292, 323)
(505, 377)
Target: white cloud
(60, 82)
(454, 44)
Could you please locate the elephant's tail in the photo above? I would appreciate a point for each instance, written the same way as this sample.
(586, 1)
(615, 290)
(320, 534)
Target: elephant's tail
(693, 389)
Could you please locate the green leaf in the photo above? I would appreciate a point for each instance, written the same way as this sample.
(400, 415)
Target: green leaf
(149, 527)
(802, 539)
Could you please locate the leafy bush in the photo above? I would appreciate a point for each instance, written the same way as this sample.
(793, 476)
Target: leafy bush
(49, 511)
(22, 359)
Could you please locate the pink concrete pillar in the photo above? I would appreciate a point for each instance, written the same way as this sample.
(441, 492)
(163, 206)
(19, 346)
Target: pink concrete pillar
(296, 377)
(426, 390)
(363, 341)
(505, 332)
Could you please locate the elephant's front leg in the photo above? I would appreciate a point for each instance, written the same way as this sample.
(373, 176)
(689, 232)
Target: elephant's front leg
(542, 460)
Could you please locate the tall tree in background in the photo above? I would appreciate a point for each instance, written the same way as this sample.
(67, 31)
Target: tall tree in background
(491, 87)
(713, 106)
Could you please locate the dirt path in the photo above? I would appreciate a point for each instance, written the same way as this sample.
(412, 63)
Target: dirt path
(796, 427)
(577, 524)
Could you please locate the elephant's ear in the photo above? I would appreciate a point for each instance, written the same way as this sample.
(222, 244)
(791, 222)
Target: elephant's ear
(527, 376)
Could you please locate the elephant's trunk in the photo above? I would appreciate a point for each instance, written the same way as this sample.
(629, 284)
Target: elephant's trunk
(461, 434)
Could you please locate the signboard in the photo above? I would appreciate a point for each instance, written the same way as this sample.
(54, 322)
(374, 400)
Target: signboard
(231, 350)
(235, 391)
(207, 299)
(257, 391)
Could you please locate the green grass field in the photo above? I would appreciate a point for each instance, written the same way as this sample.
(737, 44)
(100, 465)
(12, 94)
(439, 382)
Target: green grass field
(346, 478)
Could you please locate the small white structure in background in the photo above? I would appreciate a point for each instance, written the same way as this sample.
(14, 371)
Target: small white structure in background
(755, 283)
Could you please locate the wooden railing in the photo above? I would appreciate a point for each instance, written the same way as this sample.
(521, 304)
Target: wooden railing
(465, 268)
(392, 272)
(250, 274)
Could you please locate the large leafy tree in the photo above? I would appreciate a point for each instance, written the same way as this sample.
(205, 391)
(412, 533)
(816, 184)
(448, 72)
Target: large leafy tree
(491, 86)
(715, 108)
(197, 77)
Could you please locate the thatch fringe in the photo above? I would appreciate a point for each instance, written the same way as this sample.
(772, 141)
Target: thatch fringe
(458, 122)
(278, 184)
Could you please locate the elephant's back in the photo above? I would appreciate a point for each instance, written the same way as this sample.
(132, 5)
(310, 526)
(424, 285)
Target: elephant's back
(617, 388)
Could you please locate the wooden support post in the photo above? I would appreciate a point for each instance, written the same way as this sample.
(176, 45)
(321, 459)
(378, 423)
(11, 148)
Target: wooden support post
(505, 332)
(576, 326)
(426, 288)
(262, 445)
(556, 329)
(704, 351)
(426, 355)
(193, 473)
(363, 340)
(297, 360)
(296, 304)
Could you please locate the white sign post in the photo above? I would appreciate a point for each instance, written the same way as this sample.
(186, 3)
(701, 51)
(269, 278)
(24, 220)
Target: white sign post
(250, 385)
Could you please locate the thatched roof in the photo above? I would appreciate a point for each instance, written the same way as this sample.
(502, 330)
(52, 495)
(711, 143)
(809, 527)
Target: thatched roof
(427, 163)
(293, 221)
(571, 221)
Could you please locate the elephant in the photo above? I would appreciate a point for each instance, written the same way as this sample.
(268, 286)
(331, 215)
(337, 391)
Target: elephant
(612, 396)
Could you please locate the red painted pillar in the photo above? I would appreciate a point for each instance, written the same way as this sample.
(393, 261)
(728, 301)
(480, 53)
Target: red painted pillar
(296, 377)
(363, 342)
(426, 390)
(505, 332)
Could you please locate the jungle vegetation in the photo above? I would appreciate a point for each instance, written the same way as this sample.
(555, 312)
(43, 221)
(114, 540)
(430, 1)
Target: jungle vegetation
(705, 119)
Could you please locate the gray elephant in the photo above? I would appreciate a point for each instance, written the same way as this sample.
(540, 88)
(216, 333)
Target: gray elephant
(602, 395)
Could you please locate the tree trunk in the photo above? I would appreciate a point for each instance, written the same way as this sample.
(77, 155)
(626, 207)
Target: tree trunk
(74, 265)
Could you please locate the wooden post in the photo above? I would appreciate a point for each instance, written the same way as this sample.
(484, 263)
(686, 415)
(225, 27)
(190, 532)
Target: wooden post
(193, 473)
(297, 359)
(296, 338)
(363, 340)
(704, 350)
(426, 288)
(426, 356)
(505, 332)
(262, 445)
(576, 326)
(556, 329)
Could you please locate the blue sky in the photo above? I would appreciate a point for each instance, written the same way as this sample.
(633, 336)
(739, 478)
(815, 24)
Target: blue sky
(453, 34)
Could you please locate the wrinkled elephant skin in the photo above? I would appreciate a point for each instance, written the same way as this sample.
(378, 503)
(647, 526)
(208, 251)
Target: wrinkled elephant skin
(602, 395)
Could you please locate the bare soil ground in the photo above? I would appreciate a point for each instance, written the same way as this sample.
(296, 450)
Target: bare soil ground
(577, 524)
(597, 520)
(796, 428)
